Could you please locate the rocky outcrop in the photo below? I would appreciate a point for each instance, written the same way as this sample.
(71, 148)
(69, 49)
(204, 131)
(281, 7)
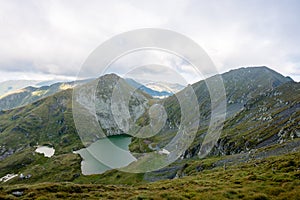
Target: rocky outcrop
(116, 104)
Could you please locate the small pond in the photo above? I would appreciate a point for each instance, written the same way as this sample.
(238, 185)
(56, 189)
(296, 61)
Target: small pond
(105, 154)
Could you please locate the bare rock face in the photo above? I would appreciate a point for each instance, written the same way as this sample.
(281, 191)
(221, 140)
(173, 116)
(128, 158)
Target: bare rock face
(260, 102)
(118, 105)
(115, 104)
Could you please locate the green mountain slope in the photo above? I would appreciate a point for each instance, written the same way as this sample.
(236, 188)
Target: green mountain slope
(49, 121)
(31, 94)
(271, 118)
(268, 178)
(241, 85)
(263, 110)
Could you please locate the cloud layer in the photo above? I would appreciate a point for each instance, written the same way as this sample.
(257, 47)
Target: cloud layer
(53, 38)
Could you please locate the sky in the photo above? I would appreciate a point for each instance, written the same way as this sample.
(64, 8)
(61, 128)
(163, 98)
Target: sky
(52, 39)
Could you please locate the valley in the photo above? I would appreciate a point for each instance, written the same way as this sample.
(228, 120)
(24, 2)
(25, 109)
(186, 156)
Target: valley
(256, 157)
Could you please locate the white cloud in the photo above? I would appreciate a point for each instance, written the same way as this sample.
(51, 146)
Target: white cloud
(55, 37)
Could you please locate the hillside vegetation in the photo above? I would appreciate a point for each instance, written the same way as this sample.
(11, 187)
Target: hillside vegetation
(256, 157)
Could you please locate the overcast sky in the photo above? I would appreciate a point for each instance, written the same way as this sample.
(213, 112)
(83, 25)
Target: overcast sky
(51, 39)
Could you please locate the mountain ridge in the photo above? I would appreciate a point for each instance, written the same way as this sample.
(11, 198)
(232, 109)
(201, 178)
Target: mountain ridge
(50, 121)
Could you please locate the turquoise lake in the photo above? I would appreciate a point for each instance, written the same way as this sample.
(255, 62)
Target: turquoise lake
(105, 154)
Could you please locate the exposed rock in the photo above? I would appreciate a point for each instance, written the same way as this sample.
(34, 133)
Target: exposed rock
(17, 193)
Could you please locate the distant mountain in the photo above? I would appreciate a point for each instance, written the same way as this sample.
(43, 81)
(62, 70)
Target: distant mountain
(156, 89)
(12, 85)
(21, 92)
(164, 86)
(50, 82)
(30, 94)
(154, 93)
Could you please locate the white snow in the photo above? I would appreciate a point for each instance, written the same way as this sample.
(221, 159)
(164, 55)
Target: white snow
(47, 151)
(7, 177)
(164, 151)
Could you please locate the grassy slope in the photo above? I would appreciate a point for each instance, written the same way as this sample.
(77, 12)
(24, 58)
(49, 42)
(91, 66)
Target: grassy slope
(268, 119)
(250, 87)
(50, 115)
(46, 122)
(271, 178)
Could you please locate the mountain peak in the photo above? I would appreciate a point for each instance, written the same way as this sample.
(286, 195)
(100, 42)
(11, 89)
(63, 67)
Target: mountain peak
(111, 76)
(260, 74)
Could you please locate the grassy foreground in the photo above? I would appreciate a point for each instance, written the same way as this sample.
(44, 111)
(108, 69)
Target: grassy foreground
(271, 178)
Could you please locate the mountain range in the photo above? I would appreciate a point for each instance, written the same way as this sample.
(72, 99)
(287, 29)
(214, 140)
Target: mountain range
(14, 95)
(262, 120)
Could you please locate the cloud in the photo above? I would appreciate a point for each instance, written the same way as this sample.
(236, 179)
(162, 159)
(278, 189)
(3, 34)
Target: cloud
(155, 64)
(55, 37)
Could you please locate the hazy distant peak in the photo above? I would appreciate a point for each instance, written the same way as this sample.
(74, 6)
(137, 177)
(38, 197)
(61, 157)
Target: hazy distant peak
(110, 76)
